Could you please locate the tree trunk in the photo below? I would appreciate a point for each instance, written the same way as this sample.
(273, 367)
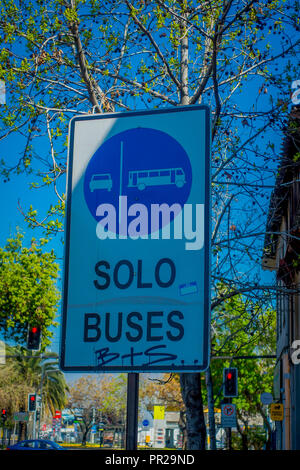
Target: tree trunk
(182, 427)
(211, 413)
(192, 398)
(267, 425)
(190, 382)
(22, 432)
(243, 436)
(84, 437)
(184, 65)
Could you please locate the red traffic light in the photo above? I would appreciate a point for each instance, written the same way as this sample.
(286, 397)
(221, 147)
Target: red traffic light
(230, 382)
(31, 402)
(3, 414)
(34, 338)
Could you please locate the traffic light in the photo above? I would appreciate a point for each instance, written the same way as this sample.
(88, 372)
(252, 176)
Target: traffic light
(230, 382)
(3, 415)
(31, 402)
(34, 338)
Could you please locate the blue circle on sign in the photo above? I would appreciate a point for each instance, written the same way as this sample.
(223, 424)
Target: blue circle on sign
(145, 422)
(146, 165)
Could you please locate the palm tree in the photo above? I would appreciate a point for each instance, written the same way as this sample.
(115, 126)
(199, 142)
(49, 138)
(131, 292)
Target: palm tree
(34, 373)
(52, 387)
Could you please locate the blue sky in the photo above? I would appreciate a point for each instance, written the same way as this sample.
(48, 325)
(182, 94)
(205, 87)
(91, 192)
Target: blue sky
(16, 193)
(18, 188)
(10, 193)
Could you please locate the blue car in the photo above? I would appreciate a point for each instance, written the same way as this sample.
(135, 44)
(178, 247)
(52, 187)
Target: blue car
(35, 444)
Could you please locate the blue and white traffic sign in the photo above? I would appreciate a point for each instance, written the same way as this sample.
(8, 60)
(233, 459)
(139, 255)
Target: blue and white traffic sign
(228, 415)
(137, 242)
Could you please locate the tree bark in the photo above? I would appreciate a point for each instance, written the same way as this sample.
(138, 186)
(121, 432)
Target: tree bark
(211, 413)
(184, 65)
(192, 398)
(267, 424)
(84, 437)
(182, 427)
(190, 382)
(243, 436)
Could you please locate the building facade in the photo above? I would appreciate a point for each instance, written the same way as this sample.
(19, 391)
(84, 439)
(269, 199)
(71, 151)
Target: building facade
(282, 254)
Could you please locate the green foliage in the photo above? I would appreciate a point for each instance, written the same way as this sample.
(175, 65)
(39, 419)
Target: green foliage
(28, 291)
(243, 327)
(254, 438)
(27, 372)
(97, 399)
(114, 403)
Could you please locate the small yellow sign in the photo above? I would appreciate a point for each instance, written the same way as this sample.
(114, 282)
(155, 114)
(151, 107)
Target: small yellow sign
(276, 412)
(159, 412)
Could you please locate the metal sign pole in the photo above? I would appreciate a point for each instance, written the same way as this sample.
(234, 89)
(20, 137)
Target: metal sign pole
(132, 411)
(34, 424)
